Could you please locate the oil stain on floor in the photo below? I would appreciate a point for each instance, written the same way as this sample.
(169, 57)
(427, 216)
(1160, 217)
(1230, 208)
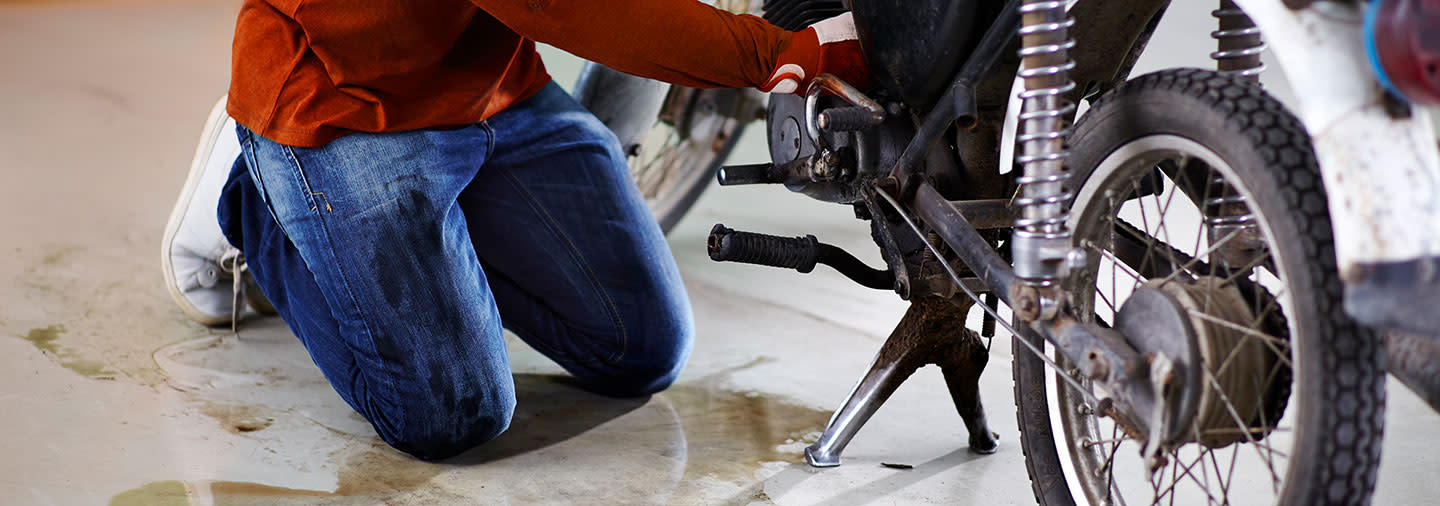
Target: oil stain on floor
(376, 476)
(47, 340)
(565, 445)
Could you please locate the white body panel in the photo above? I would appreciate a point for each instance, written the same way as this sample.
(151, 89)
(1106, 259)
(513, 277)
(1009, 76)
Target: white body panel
(1382, 174)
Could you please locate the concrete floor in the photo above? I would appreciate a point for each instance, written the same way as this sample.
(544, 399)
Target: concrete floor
(111, 396)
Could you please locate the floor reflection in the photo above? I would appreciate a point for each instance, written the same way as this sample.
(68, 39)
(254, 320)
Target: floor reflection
(693, 443)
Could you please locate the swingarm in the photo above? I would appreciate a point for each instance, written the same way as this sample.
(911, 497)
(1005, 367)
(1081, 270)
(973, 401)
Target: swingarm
(1141, 383)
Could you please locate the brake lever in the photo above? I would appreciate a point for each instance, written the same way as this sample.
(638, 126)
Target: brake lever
(1162, 378)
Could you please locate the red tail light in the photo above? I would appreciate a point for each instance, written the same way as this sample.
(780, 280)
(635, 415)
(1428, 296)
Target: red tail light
(1403, 38)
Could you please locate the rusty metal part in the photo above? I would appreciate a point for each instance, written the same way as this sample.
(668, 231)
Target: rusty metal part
(890, 251)
(1104, 357)
(931, 332)
(1125, 372)
(1025, 303)
(986, 214)
(952, 226)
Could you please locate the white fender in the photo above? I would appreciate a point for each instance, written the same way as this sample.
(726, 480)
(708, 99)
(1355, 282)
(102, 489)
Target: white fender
(1382, 174)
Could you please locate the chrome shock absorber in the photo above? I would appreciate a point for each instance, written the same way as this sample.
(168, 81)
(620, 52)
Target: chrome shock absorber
(1239, 42)
(1041, 239)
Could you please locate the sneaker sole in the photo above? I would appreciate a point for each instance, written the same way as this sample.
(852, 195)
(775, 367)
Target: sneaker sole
(208, 138)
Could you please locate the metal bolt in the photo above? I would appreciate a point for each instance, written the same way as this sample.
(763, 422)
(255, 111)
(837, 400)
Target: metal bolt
(1027, 306)
(1075, 259)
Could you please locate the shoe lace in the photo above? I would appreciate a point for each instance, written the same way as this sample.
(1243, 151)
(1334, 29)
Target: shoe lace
(233, 263)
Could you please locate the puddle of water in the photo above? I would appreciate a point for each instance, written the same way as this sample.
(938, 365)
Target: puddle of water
(372, 477)
(692, 444)
(46, 339)
(730, 435)
(229, 493)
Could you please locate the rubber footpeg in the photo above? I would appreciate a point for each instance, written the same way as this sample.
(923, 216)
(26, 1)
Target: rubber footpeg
(799, 253)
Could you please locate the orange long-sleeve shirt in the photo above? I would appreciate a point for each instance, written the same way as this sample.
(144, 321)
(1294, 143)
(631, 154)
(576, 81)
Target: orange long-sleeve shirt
(305, 72)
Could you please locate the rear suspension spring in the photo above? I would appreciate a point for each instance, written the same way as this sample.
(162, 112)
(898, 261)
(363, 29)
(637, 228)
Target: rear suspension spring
(1238, 47)
(1238, 41)
(1041, 237)
(1228, 211)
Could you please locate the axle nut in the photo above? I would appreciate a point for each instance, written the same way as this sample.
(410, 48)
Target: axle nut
(1027, 303)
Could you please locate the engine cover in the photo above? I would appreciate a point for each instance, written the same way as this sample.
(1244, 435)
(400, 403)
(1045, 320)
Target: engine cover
(787, 134)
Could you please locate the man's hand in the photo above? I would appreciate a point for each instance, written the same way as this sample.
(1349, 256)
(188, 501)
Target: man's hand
(828, 47)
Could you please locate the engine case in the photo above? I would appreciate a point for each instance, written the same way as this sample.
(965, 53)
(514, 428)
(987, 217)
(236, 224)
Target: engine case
(914, 47)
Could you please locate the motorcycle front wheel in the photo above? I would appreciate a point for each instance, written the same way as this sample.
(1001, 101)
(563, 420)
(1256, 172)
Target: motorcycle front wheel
(1204, 188)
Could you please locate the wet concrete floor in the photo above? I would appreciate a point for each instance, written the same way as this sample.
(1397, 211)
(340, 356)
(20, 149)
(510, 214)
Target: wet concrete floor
(111, 396)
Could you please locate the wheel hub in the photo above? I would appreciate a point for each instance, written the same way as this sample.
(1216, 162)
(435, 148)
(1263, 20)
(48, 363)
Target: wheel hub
(1229, 371)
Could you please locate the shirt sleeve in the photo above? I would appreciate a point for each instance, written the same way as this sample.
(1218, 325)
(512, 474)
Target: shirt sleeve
(684, 42)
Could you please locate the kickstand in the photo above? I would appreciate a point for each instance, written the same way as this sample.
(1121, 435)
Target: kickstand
(931, 332)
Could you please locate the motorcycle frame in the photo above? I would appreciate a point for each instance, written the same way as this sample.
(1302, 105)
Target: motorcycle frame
(1371, 153)
(1100, 353)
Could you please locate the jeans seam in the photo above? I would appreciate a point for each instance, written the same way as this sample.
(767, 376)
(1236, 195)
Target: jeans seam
(489, 137)
(599, 287)
(299, 171)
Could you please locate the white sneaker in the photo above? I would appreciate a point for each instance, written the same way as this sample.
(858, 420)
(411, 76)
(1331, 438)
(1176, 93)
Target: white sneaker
(205, 274)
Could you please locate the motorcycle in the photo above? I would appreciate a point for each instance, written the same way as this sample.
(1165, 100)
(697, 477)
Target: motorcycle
(1197, 275)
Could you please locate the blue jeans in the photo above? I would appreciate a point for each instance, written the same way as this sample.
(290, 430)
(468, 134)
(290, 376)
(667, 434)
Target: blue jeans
(397, 258)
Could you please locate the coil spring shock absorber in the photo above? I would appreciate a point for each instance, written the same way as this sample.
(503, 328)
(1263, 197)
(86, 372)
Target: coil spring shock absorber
(1239, 44)
(1041, 239)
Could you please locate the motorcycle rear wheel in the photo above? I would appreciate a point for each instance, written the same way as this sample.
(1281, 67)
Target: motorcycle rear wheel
(1300, 422)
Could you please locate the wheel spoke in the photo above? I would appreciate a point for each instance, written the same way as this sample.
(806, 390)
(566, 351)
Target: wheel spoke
(1187, 473)
(1145, 224)
(1169, 199)
(1246, 330)
(1115, 260)
(1264, 451)
(1224, 486)
(1196, 259)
